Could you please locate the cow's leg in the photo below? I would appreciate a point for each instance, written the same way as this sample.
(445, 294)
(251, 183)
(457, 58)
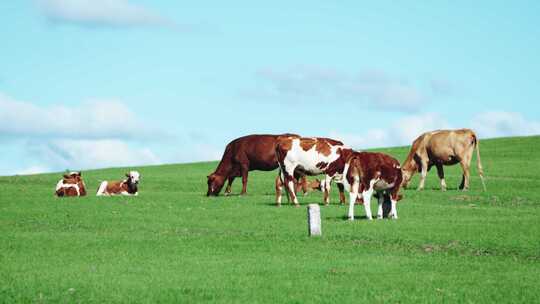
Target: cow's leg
(465, 179)
(303, 185)
(353, 194)
(393, 211)
(366, 195)
(245, 170)
(102, 188)
(229, 185)
(380, 207)
(279, 188)
(327, 181)
(288, 169)
(289, 181)
(423, 175)
(341, 193)
(440, 172)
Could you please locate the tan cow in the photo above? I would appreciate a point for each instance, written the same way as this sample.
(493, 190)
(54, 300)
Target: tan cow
(442, 147)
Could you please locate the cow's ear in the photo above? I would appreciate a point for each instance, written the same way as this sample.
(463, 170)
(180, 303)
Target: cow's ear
(79, 173)
(127, 174)
(66, 176)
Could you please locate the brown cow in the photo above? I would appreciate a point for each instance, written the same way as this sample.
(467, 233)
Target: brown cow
(367, 173)
(309, 156)
(71, 185)
(244, 154)
(443, 147)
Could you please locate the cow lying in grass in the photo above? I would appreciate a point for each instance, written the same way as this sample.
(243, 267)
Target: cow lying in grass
(366, 173)
(71, 185)
(129, 186)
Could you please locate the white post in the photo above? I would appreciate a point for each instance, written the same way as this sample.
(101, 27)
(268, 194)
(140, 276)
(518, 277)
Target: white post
(314, 220)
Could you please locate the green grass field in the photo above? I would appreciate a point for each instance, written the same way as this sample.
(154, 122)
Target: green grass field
(173, 244)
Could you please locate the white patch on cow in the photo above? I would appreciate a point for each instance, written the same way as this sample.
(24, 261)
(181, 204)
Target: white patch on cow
(102, 188)
(59, 184)
(353, 194)
(366, 195)
(380, 207)
(134, 175)
(393, 211)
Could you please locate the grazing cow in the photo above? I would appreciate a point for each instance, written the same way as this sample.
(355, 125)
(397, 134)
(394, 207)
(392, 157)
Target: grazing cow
(368, 172)
(71, 185)
(129, 186)
(244, 154)
(310, 156)
(443, 147)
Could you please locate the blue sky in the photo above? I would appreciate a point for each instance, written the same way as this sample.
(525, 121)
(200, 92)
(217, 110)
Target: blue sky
(100, 83)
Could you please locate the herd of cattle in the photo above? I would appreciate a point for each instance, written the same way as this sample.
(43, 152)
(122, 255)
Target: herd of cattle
(361, 174)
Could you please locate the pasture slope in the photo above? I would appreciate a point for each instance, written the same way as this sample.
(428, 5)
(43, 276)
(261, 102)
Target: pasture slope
(173, 244)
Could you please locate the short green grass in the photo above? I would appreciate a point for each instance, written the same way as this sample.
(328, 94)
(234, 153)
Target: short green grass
(173, 244)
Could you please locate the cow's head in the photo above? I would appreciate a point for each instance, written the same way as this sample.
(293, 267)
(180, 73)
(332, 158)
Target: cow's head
(73, 175)
(407, 176)
(133, 177)
(315, 185)
(215, 183)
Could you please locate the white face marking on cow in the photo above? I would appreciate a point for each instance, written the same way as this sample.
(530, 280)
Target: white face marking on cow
(134, 176)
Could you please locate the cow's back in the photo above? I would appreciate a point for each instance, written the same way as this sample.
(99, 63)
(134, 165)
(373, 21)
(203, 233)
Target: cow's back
(259, 150)
(444, 145)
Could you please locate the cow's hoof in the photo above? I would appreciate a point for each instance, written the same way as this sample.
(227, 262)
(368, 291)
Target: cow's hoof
(394, 217)
(278, 205)
(296, 205)
(369, 218)
(351, 218)
(379, 217)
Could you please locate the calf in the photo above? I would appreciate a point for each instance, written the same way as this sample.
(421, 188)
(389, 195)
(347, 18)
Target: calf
(303, 184)
(129, 186)
(366, 173)
(310, 156)
(71, 185)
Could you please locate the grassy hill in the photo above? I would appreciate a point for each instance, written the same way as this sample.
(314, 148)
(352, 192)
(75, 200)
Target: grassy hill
(173, 244)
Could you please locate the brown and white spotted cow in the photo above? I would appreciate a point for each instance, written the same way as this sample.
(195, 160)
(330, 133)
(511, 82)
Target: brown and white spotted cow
(366, 173)
(71, 185)
(310, 156)
(129, 186)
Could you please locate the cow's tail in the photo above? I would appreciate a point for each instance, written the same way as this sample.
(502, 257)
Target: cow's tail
(478, 161)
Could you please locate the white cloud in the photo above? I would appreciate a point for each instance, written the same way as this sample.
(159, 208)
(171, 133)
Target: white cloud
(33, 170)
(96, 118)
(94, 134)
(111, 13)
(373, 88)
(497, 124)
(402, 132)
(89, 154)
